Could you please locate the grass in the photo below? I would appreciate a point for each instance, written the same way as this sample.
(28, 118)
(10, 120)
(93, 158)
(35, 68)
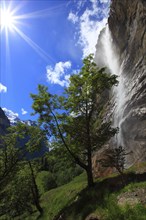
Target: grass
(132, 186)
(113, 211)
(57, 199)
(74, 201)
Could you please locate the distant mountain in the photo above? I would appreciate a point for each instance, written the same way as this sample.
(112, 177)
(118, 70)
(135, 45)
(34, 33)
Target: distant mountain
(14, 119)
(4, 122)
(9, 118)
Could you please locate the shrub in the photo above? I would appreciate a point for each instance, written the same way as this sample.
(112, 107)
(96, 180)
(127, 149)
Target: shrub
(45, 181)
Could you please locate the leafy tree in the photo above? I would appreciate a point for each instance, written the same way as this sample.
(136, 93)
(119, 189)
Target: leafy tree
(75, 120)
(20, 141)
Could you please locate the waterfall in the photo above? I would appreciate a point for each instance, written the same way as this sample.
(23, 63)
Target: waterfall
(107, 56)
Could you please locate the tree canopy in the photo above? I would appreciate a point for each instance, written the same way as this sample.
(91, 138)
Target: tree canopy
(76, 119)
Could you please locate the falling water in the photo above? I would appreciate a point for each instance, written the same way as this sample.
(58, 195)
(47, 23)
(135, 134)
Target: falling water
(106, 55)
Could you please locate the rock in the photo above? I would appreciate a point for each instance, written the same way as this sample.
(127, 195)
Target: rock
(4, 122)
(127, 22)
(98, 169)
(127, 33)
(132, 198)
(92, 217)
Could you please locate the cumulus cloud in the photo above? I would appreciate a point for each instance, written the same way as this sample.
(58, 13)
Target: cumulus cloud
(90, 22)
(3, 88)
(23, 111)
(58, 74)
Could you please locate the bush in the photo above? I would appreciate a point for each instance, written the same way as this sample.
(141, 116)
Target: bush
(45, 181)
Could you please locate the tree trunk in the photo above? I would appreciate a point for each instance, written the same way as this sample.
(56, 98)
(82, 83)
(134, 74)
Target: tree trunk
(90, 179)
(35, 190)
(90, 176)
(89, 167)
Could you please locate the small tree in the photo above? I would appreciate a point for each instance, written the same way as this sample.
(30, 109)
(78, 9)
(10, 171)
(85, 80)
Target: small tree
(75, 120)
(115, 158)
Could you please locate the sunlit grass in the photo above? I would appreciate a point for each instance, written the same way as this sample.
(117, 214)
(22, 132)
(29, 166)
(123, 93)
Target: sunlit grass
(57, 199)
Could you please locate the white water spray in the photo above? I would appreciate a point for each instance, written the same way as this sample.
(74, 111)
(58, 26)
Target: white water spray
(106, 55)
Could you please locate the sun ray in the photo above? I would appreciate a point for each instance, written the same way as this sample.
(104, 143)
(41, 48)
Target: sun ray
(38, 49)
(12, 21)
(41, 13)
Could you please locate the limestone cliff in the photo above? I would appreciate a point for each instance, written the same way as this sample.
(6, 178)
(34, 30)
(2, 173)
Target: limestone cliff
(127, 31)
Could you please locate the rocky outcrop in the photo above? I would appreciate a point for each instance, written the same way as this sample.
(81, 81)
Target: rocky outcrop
(4, 122)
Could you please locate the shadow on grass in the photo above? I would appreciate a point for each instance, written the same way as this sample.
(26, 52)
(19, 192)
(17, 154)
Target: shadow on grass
(88, 199)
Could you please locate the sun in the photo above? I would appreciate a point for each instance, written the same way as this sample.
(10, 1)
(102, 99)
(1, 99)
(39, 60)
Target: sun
(7, 19)
(12, 21)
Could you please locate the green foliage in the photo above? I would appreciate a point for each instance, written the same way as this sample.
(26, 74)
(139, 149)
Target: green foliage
(17, 195)
(75, 120)
(61, 165)
(113, 211)
(57, 199)
(45, 181)
(132, 186)
(17, 175)
(19, 141)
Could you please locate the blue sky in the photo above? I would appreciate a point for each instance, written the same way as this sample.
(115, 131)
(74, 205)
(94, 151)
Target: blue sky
(44, 43)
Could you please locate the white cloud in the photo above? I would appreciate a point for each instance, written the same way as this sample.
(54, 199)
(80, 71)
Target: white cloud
(3, 88)
(90, 23)
(73, 17)
(58, 74)
(23, 111)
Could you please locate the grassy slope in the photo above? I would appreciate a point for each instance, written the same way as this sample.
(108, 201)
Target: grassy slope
(74, 201)
(57, 199)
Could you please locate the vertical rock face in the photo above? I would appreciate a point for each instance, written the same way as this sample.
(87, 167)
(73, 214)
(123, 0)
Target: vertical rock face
(4, 122)
(127, 23)
(127, 28)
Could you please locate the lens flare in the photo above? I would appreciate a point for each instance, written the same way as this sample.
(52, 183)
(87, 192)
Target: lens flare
(12, 21)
